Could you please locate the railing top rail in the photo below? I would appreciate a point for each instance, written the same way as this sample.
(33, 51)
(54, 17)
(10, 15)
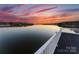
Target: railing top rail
(45, 45)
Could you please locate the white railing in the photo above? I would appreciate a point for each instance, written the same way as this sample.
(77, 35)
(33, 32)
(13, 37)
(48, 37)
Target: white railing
(50, 45)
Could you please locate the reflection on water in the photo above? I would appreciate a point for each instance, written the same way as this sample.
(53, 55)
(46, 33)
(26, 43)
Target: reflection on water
(24, 39)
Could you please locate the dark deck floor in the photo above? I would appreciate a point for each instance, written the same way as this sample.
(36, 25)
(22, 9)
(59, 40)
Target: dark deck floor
(68, 44)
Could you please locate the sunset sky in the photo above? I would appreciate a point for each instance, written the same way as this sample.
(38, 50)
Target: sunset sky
(39, 13)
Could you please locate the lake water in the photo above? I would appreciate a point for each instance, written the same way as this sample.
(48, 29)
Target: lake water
(24, 40)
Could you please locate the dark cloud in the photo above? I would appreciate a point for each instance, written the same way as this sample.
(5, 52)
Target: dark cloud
(70, 10)
(8, 7)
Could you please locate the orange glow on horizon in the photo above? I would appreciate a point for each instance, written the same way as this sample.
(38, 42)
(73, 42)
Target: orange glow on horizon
(49, 20)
